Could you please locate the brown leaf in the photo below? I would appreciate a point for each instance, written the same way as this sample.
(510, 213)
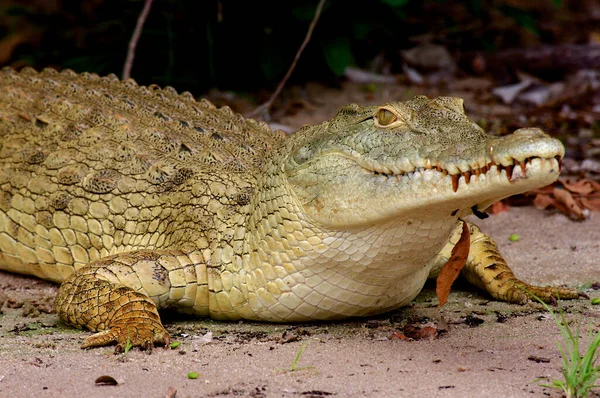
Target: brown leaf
(452, 268)
(498, 207)
(537, 359)
(420, 332)
(171, 392)
(542, 201)
(399, 336)
(595, 184)
(565, 203)
(592, 203)
(106, 381)
(582, 186)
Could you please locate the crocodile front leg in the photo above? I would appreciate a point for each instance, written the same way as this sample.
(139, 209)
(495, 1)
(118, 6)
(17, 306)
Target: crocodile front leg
(487, 269)
(119, 297)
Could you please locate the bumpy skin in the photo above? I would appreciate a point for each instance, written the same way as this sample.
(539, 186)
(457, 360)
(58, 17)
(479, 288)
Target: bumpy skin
(139, 198)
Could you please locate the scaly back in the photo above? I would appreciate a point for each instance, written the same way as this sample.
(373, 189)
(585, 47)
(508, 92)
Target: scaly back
(92, 165)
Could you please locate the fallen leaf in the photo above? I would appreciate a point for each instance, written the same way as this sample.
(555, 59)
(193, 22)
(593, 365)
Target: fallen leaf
(582, 186)
(510, 92)
(106, 381)
(473, 320)
(537, 359)
(288, 337)
(542, 201)
(596, 185)
(498, 207)
(415, 332)
(171, 392)
(452, 268)
(566, 203)
(399, 336)
(592, 203)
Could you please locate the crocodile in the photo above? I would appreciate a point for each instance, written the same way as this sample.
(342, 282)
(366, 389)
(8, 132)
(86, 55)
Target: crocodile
(138, 198)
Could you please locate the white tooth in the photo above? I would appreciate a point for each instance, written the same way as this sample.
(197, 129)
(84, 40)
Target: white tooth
(464, 167)
(517, 173)
(419, 162)
(376, 166)
(452, 169)
(428, 175)
(405, 165)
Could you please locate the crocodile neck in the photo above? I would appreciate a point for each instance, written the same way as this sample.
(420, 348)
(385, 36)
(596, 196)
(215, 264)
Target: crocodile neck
(288, 263)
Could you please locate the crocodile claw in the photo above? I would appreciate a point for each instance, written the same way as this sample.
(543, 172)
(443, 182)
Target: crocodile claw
(522, 293)
(134, 334)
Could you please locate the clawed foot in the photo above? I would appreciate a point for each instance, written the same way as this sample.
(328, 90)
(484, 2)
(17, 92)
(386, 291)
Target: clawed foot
(522, 293)
(144, 333)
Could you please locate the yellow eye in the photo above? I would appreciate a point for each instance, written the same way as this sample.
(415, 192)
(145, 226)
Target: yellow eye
(385, 117)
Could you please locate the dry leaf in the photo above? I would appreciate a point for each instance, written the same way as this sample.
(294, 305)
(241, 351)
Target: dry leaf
(566, 203)
(171, 392)
(582, 186)
(415, 332)
(106, 381)
(574, 198)
(399, 336)
(591, 202)
(542, 201)
(452, 268)
(498, 207)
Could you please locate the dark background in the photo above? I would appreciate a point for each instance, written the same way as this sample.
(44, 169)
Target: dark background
(248, 45)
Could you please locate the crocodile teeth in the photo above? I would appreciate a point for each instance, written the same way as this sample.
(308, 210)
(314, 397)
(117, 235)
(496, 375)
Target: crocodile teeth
(455, 178)
(513, 171)
(509, 172)
(518, 172)
(467, 176)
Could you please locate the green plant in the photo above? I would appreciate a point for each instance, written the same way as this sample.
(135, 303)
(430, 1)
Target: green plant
(579, 372)
(294, 367)
(128, 345)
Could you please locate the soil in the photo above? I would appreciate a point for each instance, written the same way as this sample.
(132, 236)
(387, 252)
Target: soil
(471, 347)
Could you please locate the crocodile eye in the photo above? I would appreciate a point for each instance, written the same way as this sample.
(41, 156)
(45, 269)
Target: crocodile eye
(302, 154)
(385, 117)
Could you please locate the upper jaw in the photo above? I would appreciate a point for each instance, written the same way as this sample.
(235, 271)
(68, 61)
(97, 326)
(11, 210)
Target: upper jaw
(509, 156)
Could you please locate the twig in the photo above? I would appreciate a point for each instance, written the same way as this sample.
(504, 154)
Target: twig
(135, 38)
(264, 108)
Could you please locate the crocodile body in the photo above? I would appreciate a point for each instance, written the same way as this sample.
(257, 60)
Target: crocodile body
(138, 198)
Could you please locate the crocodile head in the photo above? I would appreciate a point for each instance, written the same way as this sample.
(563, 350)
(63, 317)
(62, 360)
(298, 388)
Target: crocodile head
(420, 158)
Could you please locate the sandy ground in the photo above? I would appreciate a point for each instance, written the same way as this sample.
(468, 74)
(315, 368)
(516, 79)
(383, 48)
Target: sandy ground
(490, 349)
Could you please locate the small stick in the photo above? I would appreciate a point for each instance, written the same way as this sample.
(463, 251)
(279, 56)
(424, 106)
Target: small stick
(135, 38)
(264, 108)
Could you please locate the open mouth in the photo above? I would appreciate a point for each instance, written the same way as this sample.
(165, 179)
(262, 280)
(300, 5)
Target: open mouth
(513, 171)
